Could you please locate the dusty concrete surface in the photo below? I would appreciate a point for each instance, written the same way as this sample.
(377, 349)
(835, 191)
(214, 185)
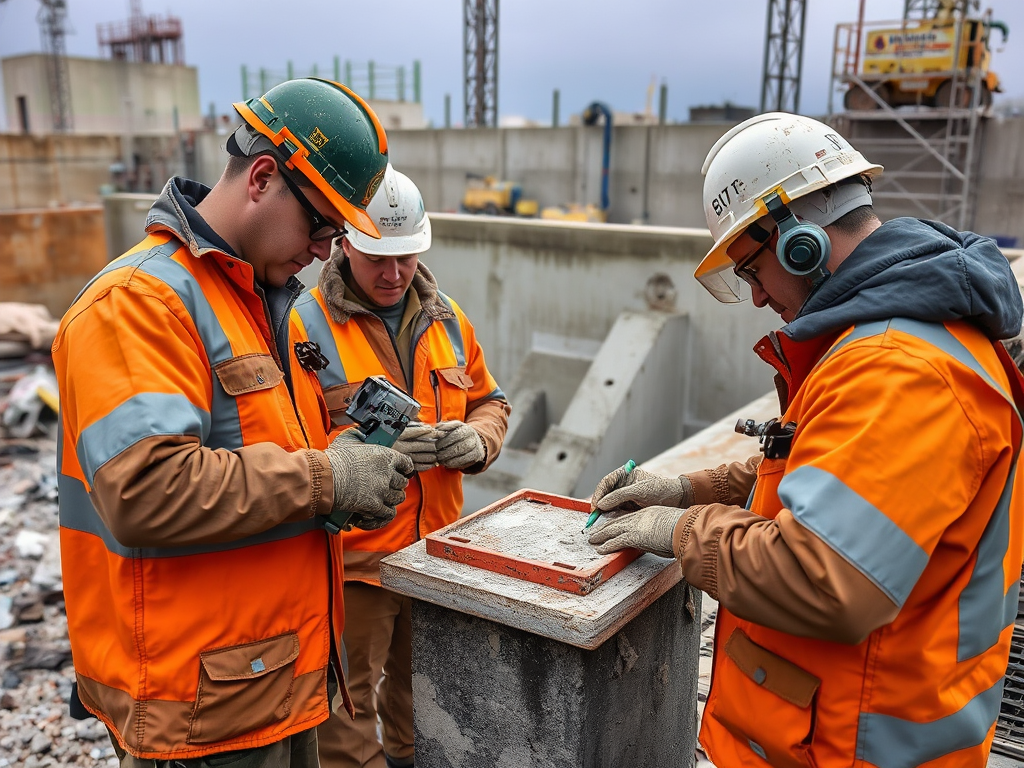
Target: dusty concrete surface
(486, 694)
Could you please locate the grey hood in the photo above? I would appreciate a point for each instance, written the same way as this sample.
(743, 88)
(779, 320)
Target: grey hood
(917, 269)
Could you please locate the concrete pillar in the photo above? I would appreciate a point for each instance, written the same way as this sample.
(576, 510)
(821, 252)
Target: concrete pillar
(512, 673)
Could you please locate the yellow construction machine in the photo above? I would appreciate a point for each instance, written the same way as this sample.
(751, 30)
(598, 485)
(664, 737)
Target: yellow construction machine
(932, 62)
(486, 194)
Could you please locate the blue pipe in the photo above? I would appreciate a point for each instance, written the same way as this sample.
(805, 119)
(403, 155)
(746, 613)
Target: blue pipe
(590, 115)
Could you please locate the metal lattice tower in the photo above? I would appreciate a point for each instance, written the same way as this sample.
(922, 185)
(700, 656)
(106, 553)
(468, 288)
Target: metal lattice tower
(52, 16)
(929, 9)
(783, 56)
(480, 63)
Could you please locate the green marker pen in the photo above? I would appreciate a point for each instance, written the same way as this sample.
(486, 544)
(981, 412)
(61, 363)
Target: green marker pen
(629, 466)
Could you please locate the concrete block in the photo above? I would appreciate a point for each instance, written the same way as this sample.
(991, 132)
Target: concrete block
(485, 694)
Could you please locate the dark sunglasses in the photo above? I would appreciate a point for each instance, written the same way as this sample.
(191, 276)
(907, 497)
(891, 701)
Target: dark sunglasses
(319, 227)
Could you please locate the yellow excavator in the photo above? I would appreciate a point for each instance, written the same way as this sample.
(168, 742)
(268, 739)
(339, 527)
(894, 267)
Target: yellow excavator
(486, 194)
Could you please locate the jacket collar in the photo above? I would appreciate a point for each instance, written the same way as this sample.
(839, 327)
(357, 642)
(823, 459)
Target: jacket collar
(792, 360)
(170, 213)
(337, 295)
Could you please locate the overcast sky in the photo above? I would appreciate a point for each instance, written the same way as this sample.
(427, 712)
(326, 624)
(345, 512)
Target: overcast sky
(706, 52)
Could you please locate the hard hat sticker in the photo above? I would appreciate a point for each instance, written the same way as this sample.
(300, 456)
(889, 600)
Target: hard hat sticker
(371, 189)
(317, 138)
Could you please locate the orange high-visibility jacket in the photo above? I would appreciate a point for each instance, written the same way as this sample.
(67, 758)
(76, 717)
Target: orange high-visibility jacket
(904, 462)
(450, 381)
(196, 573)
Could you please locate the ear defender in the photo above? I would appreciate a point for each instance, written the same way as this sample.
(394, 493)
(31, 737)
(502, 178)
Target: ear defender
(803, 248)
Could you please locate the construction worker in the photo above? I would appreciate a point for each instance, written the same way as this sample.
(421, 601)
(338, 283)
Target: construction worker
(377, 311)
(867, 565)
(195, 470)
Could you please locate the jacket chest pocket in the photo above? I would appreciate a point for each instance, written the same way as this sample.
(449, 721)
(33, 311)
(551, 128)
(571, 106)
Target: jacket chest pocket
(451, 392)
(766, 702)
(338, 399)
(243, 688)
(248, 373)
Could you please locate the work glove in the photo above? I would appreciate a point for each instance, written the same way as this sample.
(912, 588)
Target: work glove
(419, 442)
(637, 489)
(649, 529)
(369, 480)
(458, 445)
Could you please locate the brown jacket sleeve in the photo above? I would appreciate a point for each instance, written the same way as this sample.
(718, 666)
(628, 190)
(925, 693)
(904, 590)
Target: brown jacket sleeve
(778, 574)
(490, 419)
(170, 491)
(728, 484)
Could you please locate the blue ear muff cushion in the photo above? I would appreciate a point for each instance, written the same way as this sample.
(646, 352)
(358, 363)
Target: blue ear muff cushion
(804, 248)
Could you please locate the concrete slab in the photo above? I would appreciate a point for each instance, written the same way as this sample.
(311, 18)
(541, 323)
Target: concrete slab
(584, 621)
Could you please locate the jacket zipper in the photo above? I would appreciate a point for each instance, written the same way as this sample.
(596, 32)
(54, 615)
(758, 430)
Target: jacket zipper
(436, 386)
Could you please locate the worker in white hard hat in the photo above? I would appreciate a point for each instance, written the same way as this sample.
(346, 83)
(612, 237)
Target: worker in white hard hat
(377, 311)
(867, 562)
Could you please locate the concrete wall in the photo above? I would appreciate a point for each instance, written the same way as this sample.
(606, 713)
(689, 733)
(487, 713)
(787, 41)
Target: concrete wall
(107, 96)
(653, 169)
(48, 255)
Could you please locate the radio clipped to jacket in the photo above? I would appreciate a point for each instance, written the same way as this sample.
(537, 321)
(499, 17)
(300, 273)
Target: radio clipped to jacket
(381, 412)
(775, 437)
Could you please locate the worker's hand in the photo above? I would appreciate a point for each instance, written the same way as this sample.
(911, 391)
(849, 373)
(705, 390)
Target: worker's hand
(458, 445)
(634, 490)
(369, 480)
(649, 529)
(419, 442)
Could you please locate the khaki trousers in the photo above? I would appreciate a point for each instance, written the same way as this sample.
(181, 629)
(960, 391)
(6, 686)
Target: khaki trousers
(378, 646)
(298, 751)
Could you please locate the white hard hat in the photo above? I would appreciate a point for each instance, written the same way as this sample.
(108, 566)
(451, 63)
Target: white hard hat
(790, 155)
(397, 211)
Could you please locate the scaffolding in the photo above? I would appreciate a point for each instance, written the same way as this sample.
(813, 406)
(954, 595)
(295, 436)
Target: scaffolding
(140, 38)
(783, 56)
(480, 63)
(369, 79)
(52, 17)
(931, 149)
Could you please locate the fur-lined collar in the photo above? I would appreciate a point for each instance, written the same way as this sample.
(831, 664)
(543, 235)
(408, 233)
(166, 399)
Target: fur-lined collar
(337, 295)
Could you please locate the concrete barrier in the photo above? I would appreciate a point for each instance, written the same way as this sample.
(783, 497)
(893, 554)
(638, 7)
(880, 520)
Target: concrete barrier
(48, 254)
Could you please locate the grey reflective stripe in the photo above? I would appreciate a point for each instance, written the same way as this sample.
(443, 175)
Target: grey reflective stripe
(864, 535)
(226, 428)
(985, 611)
(495, 394)
(144, 415)
(454, 330)
(750, 498)
(78, 514)
(319, 330)
(164, 249)
(939, 336)
(890, 742)
(876, 328)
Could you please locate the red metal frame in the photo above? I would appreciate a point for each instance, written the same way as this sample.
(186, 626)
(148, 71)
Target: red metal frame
(581, 580)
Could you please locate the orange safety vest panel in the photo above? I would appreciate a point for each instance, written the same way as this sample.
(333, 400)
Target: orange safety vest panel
(449, 375)
(918, 488)
(187, 651)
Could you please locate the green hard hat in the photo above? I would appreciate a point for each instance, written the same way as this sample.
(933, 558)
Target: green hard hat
(328, 134)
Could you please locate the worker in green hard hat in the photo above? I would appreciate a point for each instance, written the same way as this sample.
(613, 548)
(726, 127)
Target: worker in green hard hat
(203, 606)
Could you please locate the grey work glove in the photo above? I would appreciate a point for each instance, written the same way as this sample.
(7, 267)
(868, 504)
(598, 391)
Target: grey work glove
(419, 442)
(638, 489)
(369, 480)
(458, 445)
(649, 529)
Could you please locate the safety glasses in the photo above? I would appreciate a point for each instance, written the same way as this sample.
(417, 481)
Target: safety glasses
(319, 227)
